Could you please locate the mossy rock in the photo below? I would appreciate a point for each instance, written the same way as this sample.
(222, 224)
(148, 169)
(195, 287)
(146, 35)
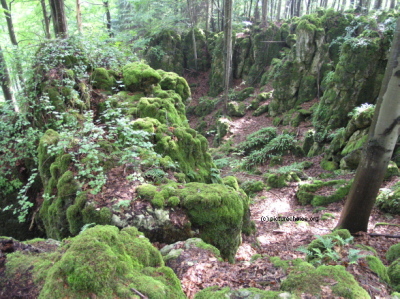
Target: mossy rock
(172, 81)
(306, 279)
(394, 274)
(216, 292)
(307, 193)
(139, 77)
(388, 200)
(165, 51)
(202, 62)
(252, 186)
(106, 262)
(376, 265)
(243, 94)
(261, 110)
(220, 212)
(102, 79)
(393, 253)
(231, 181)
(236, 109)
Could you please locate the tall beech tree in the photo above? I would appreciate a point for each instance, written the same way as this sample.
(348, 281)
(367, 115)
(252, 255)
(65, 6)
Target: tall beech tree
(5, 78)
(59, 18)
(227, 47)
(378, 150)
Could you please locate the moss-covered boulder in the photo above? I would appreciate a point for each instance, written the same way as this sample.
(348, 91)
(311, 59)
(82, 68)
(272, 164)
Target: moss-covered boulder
(102, 79)
(376, 265)
(250, 293)
(165, 51)
(139, 77)
(204, 203)
(356, 80)
(393, 252)
(394, 274)
(171, 81)
(236, 109)
(102, 262)
(306, 279)
(217, 64)
(308, 192)
(63, 211)
(196, 40)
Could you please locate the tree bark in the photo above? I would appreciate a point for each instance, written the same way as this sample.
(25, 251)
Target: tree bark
(59, 18)
(228, 49)
(378, 4)
(46, 19)
(108, 17)
(376, 155)
(78, 16)
(10, 25)
(5, 80)
(264, 5)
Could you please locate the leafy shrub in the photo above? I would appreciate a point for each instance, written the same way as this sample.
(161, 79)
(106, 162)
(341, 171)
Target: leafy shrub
(389, 200)
(258, 139)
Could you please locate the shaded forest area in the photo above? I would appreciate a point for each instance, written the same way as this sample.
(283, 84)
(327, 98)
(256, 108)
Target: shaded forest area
(199, 149)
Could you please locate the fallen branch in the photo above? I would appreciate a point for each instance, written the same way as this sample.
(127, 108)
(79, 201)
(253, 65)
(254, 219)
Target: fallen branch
(140, 294)
(384, 235)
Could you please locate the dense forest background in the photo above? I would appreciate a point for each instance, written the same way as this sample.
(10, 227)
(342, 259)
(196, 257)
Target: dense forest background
(199, 149)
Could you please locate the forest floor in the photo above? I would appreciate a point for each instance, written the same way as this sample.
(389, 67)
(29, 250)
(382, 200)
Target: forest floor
(280, 238)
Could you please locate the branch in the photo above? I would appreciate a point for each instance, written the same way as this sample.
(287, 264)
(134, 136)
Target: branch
(140, 294)
(384, 235)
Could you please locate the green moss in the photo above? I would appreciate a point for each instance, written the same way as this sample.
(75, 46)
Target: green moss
(158, 200)
(306, 193)
(393, 253)
(220, 212)
(261, 110)
(139, 77)
(306, 279)
(244, 94)
(101, 79)
(49, 138)
(146, 191)
(231, 181)
(171, 81)
(105, 262)
(236, 109)
(173, 201)
(252, 186)
(394, 274)
(216, 292)
(376, 265)
(329, 165)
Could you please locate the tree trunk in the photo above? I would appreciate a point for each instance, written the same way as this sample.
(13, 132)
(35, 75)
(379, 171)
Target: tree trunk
(59, 18)
(264, 4)
(376, 155)
(78, 16)
(251, 5)
(10, 24)
(108, 18)
(228, 49)
(392, 4)
(378, 4)
(5, 79)
(46, 19)
(278, 13)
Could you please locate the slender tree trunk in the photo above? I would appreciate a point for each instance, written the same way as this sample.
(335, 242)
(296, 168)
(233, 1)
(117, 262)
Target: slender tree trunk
(343, 7)
(46, 19)
(256, 12)
(376, 155)
(392, 4)
(208, 15)
(228, 49)
(59, 18)
(108, 18)
(264, 4)
(10, 25)
(278, 13)
(190, 6)
(5, 80)
(378, 4)
(251, 6)
(78, 16)
(298, 8)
